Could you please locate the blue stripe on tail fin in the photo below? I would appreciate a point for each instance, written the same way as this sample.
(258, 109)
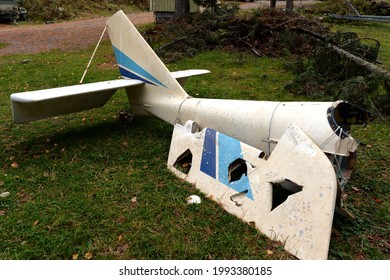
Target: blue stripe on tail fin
(130, 69)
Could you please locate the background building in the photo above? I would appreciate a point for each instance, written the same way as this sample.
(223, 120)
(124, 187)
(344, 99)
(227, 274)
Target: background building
(165, 9)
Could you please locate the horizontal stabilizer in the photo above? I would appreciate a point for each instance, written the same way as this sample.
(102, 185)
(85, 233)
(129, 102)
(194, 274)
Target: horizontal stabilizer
(40, 104)
(182, 76)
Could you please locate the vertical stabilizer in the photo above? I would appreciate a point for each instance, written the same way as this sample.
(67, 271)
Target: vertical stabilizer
(162, 94)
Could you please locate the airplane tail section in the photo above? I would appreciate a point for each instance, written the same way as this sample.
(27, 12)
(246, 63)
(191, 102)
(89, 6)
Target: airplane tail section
(150, 87)
(162, 95)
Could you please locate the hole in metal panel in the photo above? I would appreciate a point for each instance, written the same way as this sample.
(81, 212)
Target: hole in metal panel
(282, 190)
(184, 162)
(238, 198)
(236, 169)
(262, 155)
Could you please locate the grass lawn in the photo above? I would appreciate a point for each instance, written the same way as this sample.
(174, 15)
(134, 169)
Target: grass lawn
(88, 186)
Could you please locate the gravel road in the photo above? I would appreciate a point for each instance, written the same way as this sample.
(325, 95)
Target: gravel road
(78, 34)
(70, 35)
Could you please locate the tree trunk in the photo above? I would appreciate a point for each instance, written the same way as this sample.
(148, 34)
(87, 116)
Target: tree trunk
(182, 8)
(368, 65)
(289, 5)
(383, 73)
(273, 4)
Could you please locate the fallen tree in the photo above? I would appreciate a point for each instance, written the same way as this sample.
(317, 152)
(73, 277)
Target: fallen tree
(371, 67)
(328, 65)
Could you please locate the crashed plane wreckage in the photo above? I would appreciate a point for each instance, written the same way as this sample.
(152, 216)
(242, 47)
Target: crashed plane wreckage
(241, 154)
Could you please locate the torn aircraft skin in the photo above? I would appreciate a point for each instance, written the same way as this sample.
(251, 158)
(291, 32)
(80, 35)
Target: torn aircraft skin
(239, 153)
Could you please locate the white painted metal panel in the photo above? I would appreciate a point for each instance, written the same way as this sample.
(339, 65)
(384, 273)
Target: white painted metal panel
(303, 222)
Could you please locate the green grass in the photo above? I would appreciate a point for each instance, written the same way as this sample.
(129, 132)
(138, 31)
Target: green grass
(237, 76)
(87, 183)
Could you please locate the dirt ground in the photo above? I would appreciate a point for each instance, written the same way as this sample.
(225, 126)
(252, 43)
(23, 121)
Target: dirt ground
(77, 34)
(69, 35)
